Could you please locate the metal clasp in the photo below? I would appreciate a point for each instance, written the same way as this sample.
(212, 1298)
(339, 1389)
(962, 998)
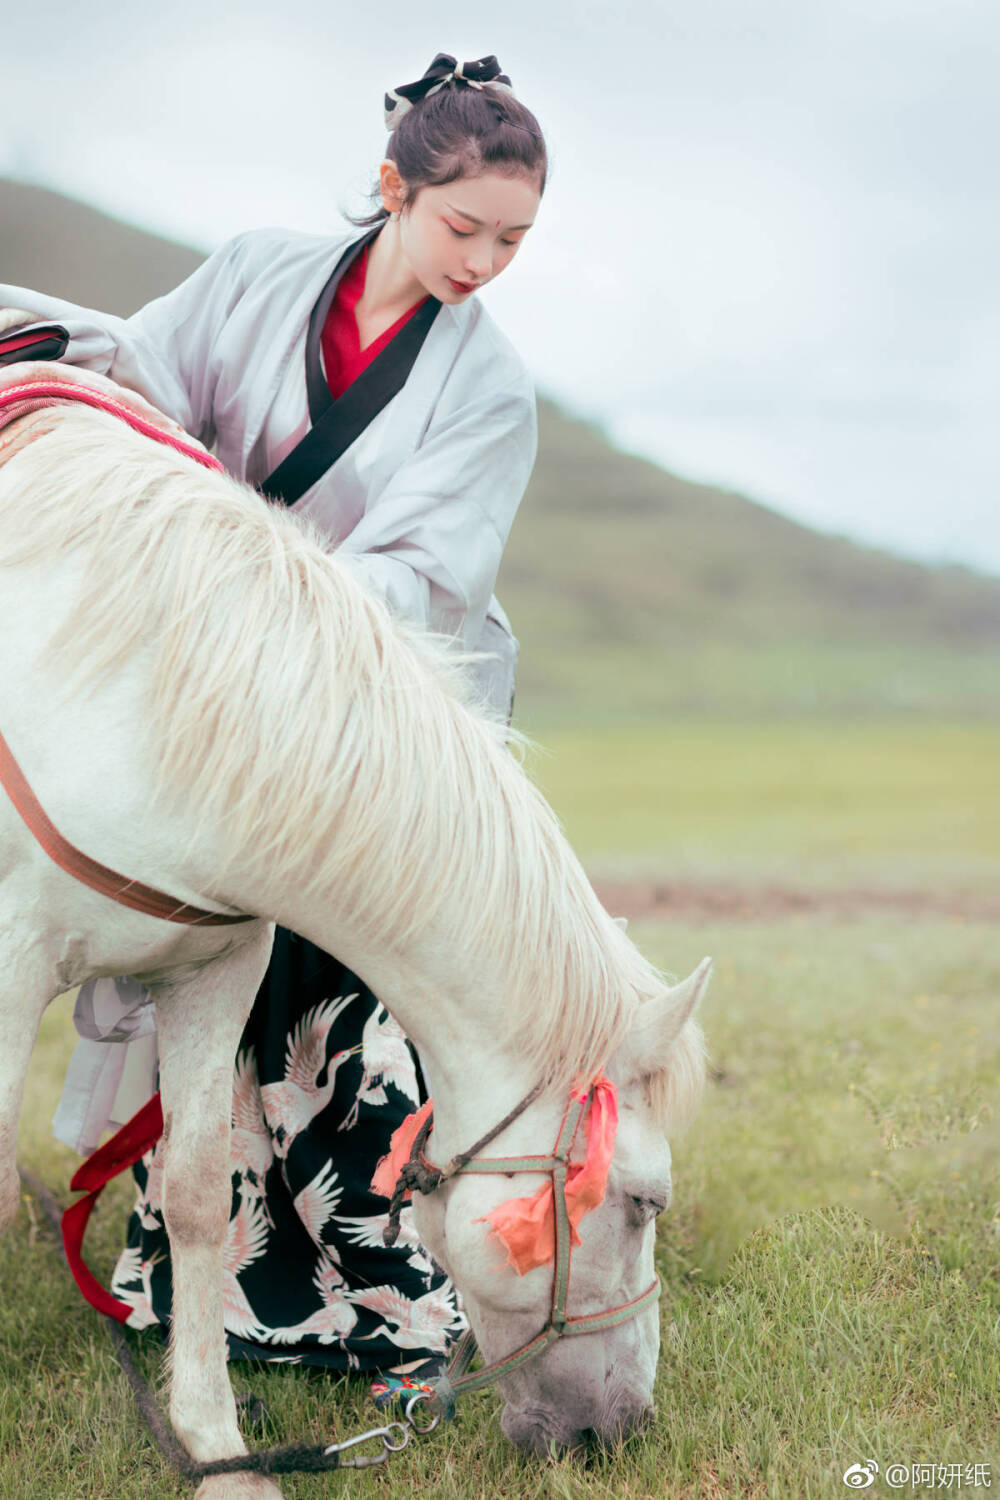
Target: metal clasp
(389, 1445)
(411, 1407)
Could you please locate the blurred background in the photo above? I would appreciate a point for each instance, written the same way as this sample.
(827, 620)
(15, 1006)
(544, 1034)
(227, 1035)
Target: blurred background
(760, 304)
(756, 576)
(766, 258)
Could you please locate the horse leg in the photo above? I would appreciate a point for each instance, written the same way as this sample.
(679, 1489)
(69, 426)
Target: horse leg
(24, 994)
(199, 1021)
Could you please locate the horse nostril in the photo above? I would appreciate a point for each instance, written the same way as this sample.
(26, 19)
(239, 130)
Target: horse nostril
(586, 1447)
(601, 1442)
(607, 1440)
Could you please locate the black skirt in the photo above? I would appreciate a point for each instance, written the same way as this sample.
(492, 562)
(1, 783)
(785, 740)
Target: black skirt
(323, 1077)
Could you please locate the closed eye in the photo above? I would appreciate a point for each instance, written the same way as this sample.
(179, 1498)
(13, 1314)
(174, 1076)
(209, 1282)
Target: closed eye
(466, 234)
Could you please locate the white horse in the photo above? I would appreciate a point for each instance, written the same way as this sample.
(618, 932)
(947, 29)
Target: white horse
(202, 697)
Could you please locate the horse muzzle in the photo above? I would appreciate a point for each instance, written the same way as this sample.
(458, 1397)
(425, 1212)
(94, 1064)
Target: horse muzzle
(540, 1432)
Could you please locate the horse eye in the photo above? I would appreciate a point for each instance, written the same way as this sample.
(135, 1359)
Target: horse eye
(642, 1207)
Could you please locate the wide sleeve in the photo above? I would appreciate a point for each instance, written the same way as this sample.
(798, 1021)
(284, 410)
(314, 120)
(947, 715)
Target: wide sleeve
(430, 544)
(164, 351)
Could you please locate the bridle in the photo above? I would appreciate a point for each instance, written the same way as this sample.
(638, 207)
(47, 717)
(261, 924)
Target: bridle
(422, 1176)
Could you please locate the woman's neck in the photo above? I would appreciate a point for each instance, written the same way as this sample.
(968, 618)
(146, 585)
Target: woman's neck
(390, 285)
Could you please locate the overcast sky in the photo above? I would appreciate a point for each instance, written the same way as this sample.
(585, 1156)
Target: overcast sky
(768, 255)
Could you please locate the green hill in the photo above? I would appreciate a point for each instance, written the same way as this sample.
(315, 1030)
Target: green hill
(67, 248)
(636, 594)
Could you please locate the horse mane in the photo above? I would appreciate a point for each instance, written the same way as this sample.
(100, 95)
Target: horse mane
(281, 694)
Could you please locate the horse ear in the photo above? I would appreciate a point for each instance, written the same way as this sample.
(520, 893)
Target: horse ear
(661, 1021)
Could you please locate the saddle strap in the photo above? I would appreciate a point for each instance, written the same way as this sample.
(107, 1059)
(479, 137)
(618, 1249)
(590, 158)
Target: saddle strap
(109, 883)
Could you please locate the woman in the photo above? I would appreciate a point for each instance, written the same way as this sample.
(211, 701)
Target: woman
(358, 378)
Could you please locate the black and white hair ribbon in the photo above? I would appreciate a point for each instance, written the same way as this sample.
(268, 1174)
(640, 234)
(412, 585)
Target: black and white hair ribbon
(484, 72)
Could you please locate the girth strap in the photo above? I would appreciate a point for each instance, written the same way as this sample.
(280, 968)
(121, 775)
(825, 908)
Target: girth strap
(108, 882)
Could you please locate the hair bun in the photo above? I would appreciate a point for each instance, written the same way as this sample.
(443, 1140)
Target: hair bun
(482, 73)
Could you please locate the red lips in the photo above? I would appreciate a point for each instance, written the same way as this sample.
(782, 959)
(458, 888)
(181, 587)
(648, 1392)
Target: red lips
(462, 286)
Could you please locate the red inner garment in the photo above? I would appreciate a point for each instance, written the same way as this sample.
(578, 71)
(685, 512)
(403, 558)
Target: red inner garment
(343, 356)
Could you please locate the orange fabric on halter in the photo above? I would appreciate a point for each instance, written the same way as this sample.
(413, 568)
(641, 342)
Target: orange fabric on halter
(526, 1227)
(400, 1145)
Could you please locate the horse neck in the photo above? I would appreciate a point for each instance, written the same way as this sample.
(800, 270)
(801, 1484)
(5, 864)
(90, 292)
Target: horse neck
(451, 1008)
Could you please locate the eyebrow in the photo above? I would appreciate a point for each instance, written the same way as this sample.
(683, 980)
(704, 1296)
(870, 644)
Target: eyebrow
(473, 220)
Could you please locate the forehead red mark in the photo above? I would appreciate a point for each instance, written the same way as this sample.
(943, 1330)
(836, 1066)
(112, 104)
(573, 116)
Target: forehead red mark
(498, 223)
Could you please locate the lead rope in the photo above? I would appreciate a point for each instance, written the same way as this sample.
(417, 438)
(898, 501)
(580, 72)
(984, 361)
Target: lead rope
(293, 1458)
(394, 1436)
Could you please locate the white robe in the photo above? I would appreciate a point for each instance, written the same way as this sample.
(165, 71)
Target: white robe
(419, 506)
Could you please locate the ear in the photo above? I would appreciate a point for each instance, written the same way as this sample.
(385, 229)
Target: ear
(392, 185)
(661, 1021)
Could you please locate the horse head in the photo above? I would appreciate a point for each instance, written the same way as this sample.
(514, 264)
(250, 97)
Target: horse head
(588, 1383)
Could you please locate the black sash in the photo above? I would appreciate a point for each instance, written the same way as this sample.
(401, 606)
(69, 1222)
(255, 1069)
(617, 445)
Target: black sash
(336, 424)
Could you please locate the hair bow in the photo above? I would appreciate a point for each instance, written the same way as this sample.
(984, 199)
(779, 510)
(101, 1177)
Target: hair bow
(484, 72)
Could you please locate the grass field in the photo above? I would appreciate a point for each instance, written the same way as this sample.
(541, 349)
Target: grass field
(887, 802)
(832, 1259)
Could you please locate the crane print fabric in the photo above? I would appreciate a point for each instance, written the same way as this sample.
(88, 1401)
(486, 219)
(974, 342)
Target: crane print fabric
(323, 1077)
